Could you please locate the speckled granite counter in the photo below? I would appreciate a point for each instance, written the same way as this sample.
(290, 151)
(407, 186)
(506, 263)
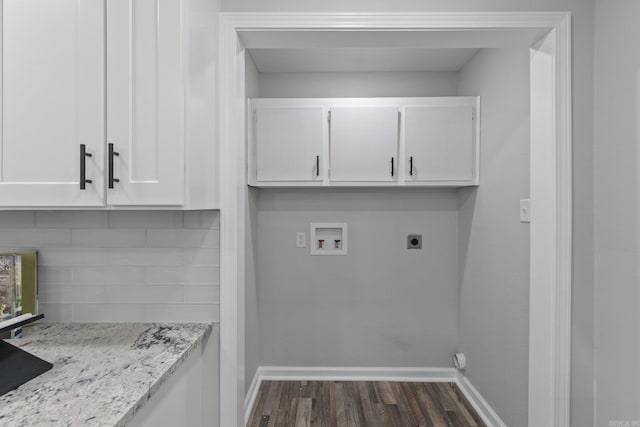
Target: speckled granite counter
(102, 373)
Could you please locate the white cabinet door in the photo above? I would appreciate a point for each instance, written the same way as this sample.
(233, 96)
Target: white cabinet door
(145, 101)
(52, 90)
(289, 143)
(364, 144)
(439, 143)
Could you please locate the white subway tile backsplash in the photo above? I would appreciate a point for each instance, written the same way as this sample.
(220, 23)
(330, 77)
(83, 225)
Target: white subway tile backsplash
(56, 312)
(73, 294)
(201, 294)
(89, 294)
(146, 256)
(121, 266)
(55, 293)
(145, 219)
(73, 257)
(71, 219)
(146, 294)
(16, 219)
(31, 238)
(109, 313)
(183, 238)
(108, 275)
(202, 219)
(54, 275)
(182, 275)
(184, 312)
(202, 257)
(108, 238)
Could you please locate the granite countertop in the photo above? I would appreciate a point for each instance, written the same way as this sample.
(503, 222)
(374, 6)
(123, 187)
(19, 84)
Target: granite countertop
(102, 372)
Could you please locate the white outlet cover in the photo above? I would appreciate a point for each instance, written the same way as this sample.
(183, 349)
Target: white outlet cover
(301, 239)
(525, 210)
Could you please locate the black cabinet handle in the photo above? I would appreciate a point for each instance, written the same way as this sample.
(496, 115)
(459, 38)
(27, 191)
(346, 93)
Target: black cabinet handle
(112, 153)
(317, 165)
(411, 165)
(83, 167)
(392, 166)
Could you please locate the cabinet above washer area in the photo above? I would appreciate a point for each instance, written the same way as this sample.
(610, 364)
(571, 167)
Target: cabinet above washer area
(108, 105)
(376, 142)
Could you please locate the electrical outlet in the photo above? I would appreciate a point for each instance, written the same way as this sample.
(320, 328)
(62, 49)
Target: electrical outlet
(301, 239)
(414, 241)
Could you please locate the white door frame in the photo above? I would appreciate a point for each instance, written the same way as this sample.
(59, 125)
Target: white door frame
(550, 295)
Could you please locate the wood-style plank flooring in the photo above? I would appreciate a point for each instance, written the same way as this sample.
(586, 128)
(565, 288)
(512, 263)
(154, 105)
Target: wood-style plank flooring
(361, 403)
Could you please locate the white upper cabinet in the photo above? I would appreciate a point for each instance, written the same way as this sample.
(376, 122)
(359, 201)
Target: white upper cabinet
(364, 144)
(52, 102)
(439, 141)
(380, 142)
(290, 143)
(131, 81)
(145, 102)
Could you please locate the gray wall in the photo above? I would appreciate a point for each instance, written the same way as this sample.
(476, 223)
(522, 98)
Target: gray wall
(354, 84)
(617, 212)
(494, 245)
(121, 266)
(380, 305)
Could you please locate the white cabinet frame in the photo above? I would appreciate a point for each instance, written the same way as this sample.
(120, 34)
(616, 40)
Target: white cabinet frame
(551, 257)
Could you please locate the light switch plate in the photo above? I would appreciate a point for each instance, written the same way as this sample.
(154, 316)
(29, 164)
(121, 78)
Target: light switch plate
(301, 239)
(525, 210)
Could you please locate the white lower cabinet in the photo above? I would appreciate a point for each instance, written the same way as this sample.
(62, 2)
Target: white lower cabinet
(371, 142)
(103, 103)
(190, 395)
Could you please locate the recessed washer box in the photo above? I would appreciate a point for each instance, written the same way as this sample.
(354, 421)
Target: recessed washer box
(328, 238)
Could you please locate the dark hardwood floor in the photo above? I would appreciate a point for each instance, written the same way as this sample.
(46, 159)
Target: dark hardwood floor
(361, 403)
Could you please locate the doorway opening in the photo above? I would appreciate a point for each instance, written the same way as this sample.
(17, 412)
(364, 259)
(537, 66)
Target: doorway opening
(547, 38)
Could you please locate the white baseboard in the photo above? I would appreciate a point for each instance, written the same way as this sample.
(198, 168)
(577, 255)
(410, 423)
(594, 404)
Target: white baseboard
(295, 373)
(316, 373)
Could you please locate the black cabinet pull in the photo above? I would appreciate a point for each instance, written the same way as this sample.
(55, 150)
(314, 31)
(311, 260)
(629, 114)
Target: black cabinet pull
(317, 165)
(83, 167)
(112, 153)
(392, 166)
(411, 165)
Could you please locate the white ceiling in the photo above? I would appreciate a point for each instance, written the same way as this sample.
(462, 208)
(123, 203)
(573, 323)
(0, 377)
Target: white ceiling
(359, 59)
